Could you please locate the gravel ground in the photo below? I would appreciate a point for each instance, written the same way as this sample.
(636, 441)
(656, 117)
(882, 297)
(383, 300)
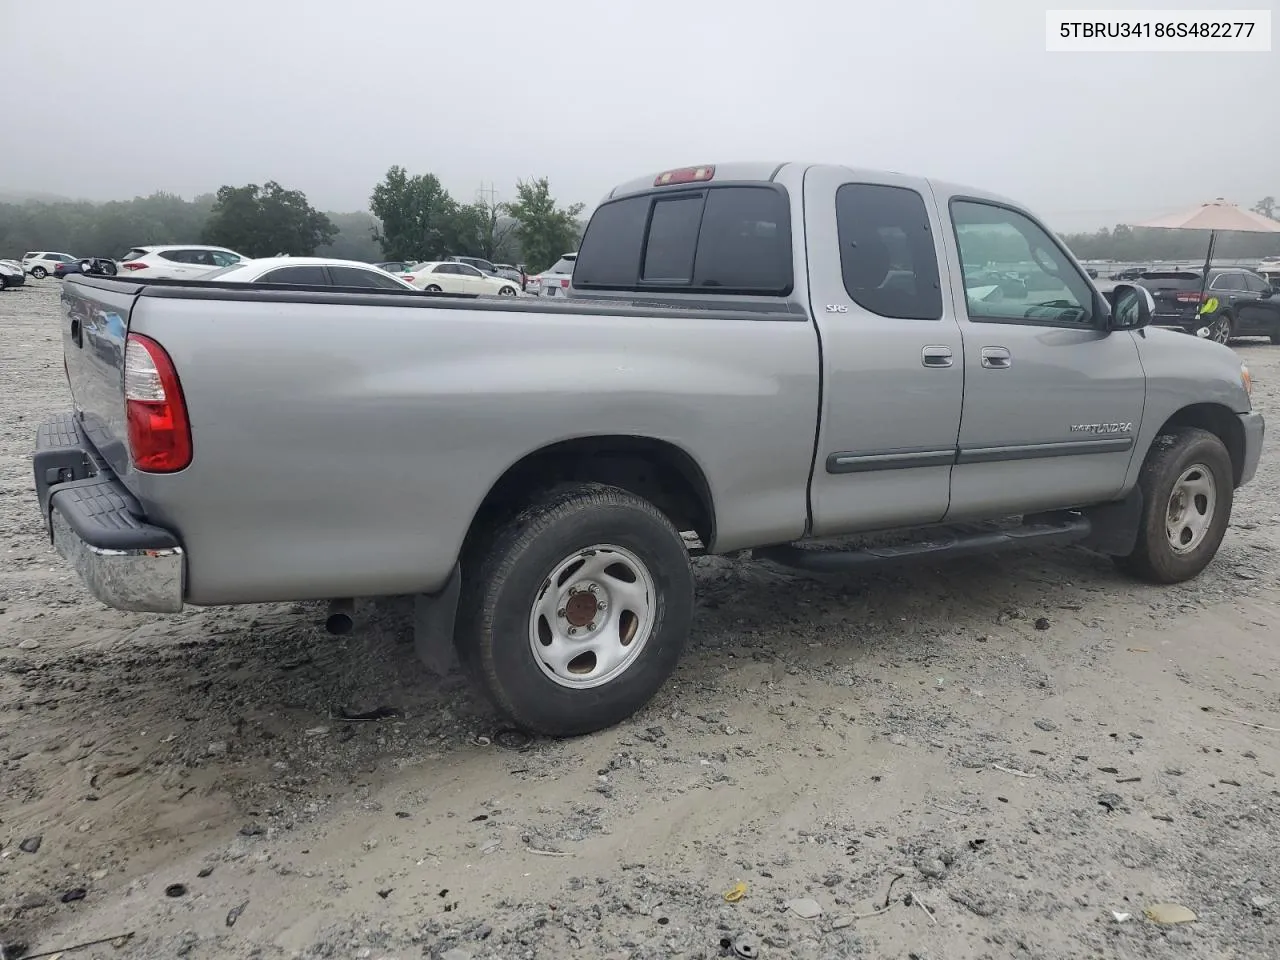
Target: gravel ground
(1012, 753)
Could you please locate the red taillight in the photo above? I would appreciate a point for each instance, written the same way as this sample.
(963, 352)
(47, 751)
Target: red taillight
(1190, 297)
(134, 265)
(564, 281)
(685, 175)
(159, 430)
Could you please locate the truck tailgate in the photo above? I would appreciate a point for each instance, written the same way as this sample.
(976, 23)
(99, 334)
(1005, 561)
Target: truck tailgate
(95, 322)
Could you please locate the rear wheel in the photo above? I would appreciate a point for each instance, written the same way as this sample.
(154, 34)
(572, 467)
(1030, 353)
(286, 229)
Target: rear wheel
(39, 272)
(1223, 329)
(507, 292)
(1187, 489)
(574, 613)
(432, 288)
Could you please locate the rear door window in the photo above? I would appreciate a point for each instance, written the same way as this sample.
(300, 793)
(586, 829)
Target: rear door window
(308, 274)
(887, 252)
(1256, 284)
(179, 256)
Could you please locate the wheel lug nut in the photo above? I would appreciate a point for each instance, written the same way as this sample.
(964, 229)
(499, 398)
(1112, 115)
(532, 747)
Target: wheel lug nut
(572, 631)
(561, 613)
(602, 605)
(591, 625)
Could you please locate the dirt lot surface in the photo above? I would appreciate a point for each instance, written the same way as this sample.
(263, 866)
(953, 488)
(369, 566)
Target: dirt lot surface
(1019, 755)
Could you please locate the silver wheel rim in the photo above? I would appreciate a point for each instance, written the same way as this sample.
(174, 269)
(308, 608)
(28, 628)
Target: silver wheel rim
(1222, 331)
(506, 292)
(1191, 508)
(592, 617)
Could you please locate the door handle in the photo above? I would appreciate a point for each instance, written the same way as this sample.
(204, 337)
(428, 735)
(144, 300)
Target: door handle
(996, 358)
(936, 356)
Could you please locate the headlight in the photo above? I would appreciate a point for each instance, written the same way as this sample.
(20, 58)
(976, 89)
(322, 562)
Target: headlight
(1245, 380)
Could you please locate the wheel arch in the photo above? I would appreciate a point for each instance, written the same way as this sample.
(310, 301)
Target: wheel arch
(1217, 419)
(661, 472)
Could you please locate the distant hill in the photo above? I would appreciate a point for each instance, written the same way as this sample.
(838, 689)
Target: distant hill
(22, 196)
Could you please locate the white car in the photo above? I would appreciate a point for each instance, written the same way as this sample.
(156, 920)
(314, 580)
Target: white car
(176, 261)
(454, 277)
(308, 271)
(40, 264)
(555, 281)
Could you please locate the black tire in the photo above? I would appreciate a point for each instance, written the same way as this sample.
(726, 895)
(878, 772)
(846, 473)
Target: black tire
(1154, 558)
(507, 292)
(1223, 329)
(507, 572)
(432, 288)
(39, 272)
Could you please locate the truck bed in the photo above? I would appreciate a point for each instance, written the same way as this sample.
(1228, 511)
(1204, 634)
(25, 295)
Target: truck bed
(343, 441)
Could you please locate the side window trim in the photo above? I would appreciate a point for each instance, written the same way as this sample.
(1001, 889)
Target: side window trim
(1097, 305)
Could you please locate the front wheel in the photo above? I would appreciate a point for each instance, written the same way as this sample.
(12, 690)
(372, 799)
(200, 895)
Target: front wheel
(507, 292)
(1187, 487)
(432, 288)
(39, 272)
(574, 613)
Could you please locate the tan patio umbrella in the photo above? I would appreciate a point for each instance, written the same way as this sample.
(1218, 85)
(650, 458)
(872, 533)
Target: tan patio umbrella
(1215, 217)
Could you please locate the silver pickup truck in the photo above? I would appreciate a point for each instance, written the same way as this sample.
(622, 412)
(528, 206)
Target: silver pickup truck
(830, 367)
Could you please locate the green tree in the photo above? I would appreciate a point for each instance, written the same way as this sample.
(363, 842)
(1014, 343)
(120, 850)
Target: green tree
(544, 230)
(1267, 207)
(419, 219)
(267, 220)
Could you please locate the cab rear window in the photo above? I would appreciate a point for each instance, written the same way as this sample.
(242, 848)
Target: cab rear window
(716, 239)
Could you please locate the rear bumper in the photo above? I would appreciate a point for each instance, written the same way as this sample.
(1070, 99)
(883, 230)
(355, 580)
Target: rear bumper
(1254, 431)
(95, 524)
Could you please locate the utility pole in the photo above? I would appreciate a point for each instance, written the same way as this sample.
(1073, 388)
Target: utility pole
(488, 195)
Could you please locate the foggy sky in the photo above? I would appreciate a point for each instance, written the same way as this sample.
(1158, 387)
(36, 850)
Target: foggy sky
(325, 95)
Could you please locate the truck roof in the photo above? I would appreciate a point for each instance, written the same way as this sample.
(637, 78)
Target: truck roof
(768, 171)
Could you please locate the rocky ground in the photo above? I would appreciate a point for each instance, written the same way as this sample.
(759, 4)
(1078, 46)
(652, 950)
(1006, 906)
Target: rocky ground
(1014, 756)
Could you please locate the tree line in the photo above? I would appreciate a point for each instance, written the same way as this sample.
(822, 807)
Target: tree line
(413, 218)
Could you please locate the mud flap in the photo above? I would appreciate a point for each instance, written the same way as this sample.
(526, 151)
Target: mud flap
(1115, 525)
(433, 620)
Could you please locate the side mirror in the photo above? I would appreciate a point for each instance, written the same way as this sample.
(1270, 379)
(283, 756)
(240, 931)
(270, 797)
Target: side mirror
(1131, 307)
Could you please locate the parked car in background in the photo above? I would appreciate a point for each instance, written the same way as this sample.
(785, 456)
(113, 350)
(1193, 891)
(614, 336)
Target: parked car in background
(453, 276)
(395, 266)
(41, 264)
(99, 266)
(176, 261)
(1129, 273)
(1269, 270)
(11, 274)
(555, 281)
(484, 266)
(509, 272)
(308, 271)
(1215, 314)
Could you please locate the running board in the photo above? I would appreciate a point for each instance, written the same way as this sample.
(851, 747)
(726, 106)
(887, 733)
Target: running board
(942, 543)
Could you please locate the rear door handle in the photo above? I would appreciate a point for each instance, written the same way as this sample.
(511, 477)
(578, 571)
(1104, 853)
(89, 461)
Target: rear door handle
(936, 356)
(996, 358)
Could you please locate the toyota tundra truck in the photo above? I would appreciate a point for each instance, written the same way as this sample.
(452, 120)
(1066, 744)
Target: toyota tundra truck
(783, 359)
